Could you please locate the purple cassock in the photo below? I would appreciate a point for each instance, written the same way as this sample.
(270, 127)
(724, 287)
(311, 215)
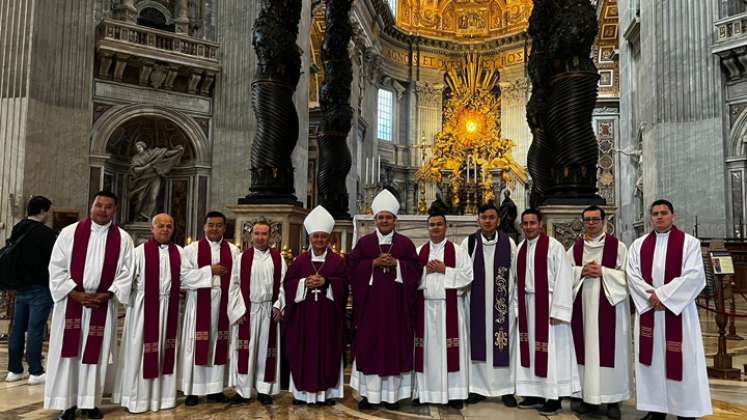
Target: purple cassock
(314, 327)
(384, 311)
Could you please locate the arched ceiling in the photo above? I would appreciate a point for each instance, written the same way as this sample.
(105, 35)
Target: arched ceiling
(463, 19)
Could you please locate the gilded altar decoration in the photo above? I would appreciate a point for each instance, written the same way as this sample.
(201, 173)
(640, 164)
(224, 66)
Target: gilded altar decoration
(463, 18)
(470, 155)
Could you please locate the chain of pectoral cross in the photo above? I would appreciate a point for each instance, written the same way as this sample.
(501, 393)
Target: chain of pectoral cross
(316, 290)
(385, 269)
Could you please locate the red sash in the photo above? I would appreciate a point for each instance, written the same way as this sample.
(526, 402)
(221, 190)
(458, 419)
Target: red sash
(245, 329)
(672, 322)
(151, 329)
(607, 313)
(202, 327)
(452, 314)
(74, 310)
(541, 306)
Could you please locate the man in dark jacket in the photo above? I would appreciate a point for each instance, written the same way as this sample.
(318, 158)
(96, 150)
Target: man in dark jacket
(33, 300)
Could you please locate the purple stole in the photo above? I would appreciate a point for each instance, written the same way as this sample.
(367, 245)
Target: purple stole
(541, 306)
(607, 313)
(202, 321)
(152, 289)
(73, 309)
(501, 269)
(245, 329)
(452, 314)
(672, 322)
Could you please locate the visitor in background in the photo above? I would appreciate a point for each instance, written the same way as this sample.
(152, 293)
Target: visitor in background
(33, 300)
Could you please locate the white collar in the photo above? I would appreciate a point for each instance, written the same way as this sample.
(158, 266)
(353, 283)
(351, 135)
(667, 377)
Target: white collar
(265, 252)
(95, 227)
(439, 245)
(218, 243)
(163, 246)
(385, 239)
(319, 258)
(663, 234)
(598, 238)
(486, 241)
(533, 241)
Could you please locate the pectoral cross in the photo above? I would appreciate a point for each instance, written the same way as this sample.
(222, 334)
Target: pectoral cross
(316, 294)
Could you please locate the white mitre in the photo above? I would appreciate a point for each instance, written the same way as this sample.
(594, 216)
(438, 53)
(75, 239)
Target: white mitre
(319, 220)
(385, 201)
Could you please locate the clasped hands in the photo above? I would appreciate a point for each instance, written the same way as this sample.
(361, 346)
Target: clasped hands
(592, 269)
(385, 260)
(91, 300)
(654, 300)
(314, 281)
(435, 266)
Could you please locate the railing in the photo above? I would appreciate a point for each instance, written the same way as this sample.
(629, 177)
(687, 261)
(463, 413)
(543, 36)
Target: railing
(157, 40)
(731, 28)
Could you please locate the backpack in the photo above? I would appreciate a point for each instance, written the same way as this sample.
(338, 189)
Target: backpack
(11, 269)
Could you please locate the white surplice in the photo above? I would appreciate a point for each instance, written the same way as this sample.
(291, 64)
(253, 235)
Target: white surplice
(484, 378)
(602, 385)
(436, 384)
(330, 393)
(70, 382)
(208, 379)
(377, 388)
(131, 390)
(260, 295)
(562, 371)
(690, 397)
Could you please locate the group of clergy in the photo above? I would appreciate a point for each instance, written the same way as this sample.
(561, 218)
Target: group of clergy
(438, 324)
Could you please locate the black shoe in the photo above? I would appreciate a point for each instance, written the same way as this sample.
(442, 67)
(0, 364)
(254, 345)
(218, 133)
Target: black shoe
(654, 416)
(550, 408)
(416, 402)
(298, 402)
(93, 413)
(509, 401)
(363, 404)
(474, 398)
(458, 404)
(531, 402)
(613, 411)
(685, 418)
(264, 399)
(191, 400)
(329, 402)
(585, 408)
(391, 406)
(68, 414)
(218, 397)
(238, 399)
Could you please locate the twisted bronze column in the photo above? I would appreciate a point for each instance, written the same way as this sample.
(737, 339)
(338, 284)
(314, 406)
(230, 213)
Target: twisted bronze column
(564, 152)
(334, 155)
(277, 73)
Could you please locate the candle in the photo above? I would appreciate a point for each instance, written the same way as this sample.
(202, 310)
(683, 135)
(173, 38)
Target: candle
(467, 168)
(365, 180)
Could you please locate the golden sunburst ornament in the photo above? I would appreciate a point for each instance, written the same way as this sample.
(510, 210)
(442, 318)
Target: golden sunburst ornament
(472, 131)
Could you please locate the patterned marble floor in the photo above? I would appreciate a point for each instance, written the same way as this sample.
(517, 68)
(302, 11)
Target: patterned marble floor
(21, 401)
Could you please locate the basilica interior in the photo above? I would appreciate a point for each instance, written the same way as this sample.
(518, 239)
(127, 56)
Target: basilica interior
(430, 99)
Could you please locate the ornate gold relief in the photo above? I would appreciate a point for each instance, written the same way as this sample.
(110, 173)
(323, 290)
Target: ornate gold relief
(463, 18)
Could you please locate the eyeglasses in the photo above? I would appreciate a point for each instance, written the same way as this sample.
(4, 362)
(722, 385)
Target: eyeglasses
(592, 219)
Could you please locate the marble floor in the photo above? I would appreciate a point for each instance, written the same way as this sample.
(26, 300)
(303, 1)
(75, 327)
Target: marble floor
(21, 401)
